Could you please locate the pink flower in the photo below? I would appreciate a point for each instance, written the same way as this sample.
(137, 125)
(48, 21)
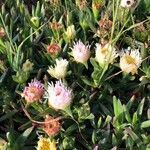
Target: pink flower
(33, 92)
(80, 52)
(59, 96)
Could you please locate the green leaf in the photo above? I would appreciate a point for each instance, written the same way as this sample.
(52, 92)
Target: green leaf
(105, 109)
(8, 115)
(91, 116)
(70, 129)
(145, 124)
(134, 137)
(130, 103)
(118, 108)
(68, 142)
(19, 143)
(87, 81)
(99, 122)
(140, 107)
(94, 63)
(127, 114)
(134, 119)
(114, 139)
(94, 137)
(107, 120)
(84, 112)
(38, 9)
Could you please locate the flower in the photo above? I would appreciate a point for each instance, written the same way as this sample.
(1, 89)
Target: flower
(27, 66)
(105, 23)
(128, 3)
(33, 92)
(2, 32)
(105, 54)
(70, 33)
(96, 6)
(80, 52)
(55, 25)
(2, 144)
(59, 96)
(46, 144)
(130, 61)
(51, 125)
(53, 49)
(60, 69)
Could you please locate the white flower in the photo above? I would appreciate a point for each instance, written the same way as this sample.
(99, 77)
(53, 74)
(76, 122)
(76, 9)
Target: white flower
(80, 52)
(130, 61)
(60, 69)
(59, 96)
(127, 3)
(70, 33)
(106, 54)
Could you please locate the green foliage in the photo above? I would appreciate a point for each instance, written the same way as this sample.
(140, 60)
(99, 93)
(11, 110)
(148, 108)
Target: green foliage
(109, 108)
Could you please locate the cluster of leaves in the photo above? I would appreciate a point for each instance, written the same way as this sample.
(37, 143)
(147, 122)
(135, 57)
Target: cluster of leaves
(110, 110)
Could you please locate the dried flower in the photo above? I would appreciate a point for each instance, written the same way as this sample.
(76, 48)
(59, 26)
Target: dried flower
(27, 66)
(2, 32)
(128, 3)
(53, 49)
(105, 23)
(51, 126)
(60, 69)
(105, 54)
(97, 4)
(59, 96)
(130, 61)
(33, 92)
(55, 25)
(46, 144)
(80, 52)
(70, 33)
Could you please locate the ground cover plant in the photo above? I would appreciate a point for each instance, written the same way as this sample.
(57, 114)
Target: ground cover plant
(75, 74)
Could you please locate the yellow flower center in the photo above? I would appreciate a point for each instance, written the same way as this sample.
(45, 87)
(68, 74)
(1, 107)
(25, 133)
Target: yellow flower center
(129, 59)
(104, 51)
(44, 145)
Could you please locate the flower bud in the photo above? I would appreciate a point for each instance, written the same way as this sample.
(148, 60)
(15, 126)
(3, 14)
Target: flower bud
(35, 21)
(27, 66)
(70, 32)
(53, 49)
(96, 6)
